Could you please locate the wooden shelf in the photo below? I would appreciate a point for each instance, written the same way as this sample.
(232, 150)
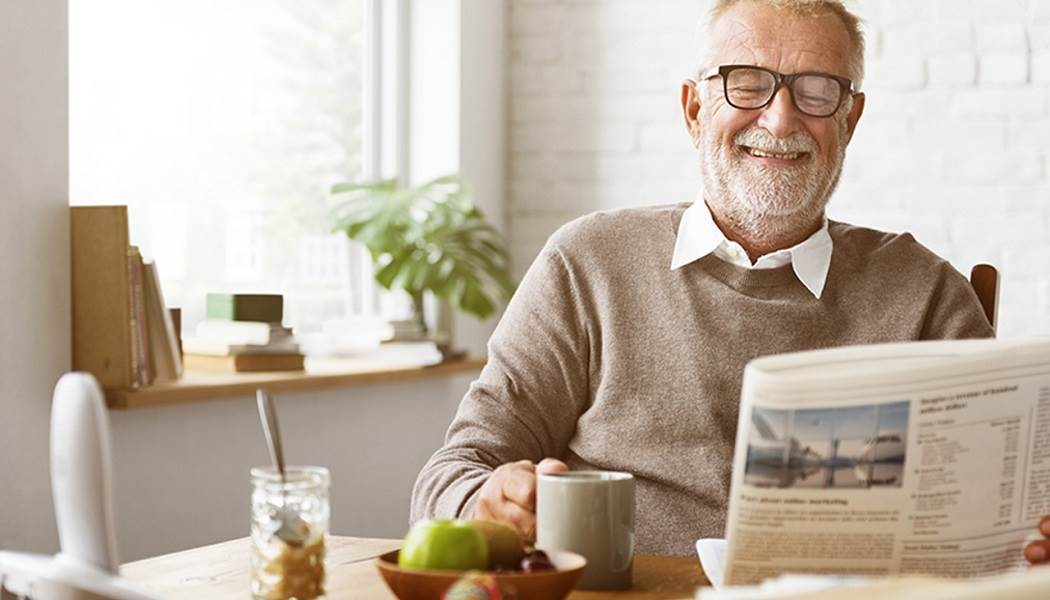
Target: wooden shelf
(103, 332)
(195, 387)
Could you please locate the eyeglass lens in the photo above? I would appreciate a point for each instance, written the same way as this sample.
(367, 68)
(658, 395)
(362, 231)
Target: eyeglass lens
(815, 95)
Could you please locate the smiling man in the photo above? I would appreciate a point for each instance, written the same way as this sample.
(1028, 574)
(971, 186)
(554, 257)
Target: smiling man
(773, 145)
(625, 344)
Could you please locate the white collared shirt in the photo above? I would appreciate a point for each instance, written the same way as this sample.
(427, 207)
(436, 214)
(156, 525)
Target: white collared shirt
(698, 236)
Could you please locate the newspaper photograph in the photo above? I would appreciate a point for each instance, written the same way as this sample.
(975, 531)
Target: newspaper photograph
(927, 457)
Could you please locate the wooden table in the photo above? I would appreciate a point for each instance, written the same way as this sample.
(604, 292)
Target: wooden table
(221, 571)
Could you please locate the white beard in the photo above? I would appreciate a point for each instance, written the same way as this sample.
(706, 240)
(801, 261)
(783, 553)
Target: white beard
(770, 206)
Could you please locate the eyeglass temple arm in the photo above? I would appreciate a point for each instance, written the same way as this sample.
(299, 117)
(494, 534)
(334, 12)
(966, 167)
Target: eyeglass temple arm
(707, 73)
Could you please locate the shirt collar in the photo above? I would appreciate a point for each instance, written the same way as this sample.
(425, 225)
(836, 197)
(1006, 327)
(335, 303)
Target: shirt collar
(698, 236)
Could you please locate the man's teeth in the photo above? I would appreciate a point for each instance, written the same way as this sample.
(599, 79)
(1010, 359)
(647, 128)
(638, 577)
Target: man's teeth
(765, 154)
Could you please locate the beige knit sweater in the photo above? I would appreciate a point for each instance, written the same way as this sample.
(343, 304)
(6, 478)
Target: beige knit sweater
(608, 359)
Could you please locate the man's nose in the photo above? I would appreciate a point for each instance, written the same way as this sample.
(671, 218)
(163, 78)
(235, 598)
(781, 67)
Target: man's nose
(780, 118)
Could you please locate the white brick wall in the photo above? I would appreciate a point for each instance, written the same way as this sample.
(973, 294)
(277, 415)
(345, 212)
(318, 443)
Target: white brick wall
(954, 145)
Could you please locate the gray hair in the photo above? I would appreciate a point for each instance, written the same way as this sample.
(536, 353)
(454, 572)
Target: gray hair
(852, 23)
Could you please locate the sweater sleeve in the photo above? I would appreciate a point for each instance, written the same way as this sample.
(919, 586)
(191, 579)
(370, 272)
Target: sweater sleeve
(954, 311)
(527, 399)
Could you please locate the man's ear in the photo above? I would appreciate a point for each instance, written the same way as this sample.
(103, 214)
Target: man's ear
(691, 110)
(854, 114)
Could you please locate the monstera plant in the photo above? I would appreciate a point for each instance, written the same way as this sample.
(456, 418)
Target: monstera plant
(428, 238)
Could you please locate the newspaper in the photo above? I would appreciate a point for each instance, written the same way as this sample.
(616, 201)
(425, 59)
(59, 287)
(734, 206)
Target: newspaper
(925, 458)
(1032, 585)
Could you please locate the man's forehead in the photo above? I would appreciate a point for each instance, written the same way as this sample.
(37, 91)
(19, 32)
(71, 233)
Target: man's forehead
(751, 33)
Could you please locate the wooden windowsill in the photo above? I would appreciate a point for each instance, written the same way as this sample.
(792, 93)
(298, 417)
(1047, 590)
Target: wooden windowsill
(198, 386)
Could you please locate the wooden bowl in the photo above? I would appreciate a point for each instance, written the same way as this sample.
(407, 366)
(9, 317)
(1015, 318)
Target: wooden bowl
(427, 584)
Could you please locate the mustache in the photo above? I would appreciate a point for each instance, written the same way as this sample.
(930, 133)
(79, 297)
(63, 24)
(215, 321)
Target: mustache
(758, 138)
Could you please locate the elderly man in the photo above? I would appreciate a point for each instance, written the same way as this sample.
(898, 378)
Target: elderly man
(625, 344)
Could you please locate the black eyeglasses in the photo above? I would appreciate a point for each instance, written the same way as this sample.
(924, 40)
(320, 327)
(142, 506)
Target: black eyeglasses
(749, 87)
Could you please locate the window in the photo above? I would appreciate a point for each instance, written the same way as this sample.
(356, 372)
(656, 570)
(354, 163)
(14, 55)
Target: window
(222, 126)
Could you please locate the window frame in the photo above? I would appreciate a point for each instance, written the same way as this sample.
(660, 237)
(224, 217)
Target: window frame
(385, 134)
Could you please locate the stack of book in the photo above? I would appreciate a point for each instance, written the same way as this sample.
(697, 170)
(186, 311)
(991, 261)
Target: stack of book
(241, 333)
(406, 330)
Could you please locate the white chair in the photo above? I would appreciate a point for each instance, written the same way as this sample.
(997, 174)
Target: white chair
(81, 467)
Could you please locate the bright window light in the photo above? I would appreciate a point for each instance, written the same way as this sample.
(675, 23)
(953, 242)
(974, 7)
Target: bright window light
(222, 126)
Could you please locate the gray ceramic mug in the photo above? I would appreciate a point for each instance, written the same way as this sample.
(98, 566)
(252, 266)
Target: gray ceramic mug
(590, 513)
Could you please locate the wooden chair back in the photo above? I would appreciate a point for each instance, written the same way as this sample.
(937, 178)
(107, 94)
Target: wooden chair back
(985, 281)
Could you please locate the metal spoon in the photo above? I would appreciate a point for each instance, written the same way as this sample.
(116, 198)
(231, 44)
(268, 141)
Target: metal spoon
(293, 529)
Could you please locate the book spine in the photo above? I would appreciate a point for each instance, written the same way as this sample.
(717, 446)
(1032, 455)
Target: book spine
(167, 359)
(264, 308)
(139, 335)
(176, 324)
(218, 306)
(244, 363)
(237, 332)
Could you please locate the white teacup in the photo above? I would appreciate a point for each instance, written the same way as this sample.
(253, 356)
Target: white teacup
(590, 513)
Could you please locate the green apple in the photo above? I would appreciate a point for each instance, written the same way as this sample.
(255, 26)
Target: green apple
(444, 544)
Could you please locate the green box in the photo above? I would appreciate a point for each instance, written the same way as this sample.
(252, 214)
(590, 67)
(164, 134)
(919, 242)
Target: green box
(268, 308)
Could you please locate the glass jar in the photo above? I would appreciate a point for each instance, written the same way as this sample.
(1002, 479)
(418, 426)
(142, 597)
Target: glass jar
(289, 525)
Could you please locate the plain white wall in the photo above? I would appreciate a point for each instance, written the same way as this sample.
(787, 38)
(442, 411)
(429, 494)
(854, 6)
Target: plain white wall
(182, 470)
(34, 272)
(952, 145)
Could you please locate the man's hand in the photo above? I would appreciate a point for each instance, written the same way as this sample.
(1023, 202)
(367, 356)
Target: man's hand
(509, 495)
(1039, 552)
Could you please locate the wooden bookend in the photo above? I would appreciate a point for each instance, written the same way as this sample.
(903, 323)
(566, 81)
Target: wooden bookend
(102, 339)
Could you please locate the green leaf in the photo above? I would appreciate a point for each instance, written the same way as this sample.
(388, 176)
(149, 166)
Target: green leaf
(429, 237)
(386, 275)
(374, 186)
(475, 302)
